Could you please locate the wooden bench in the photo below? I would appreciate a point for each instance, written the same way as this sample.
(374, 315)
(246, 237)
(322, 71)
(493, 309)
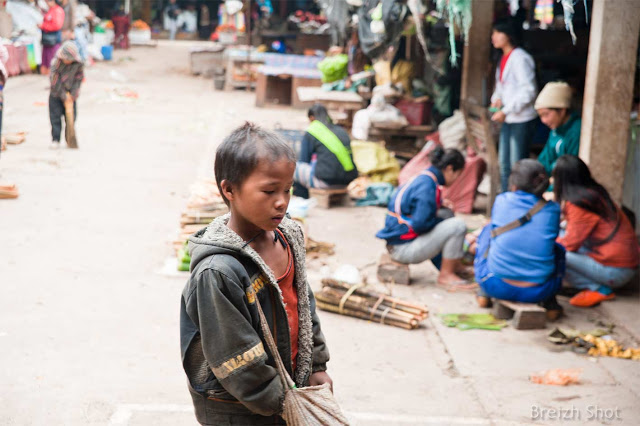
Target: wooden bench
(481, 138)
(390, 271)
(329, 197)
(526, 316)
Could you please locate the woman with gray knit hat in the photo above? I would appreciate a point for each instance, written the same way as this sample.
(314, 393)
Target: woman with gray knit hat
(554, 108)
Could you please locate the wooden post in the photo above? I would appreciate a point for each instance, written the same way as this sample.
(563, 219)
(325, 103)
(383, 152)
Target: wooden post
(613, 47)
(146, 11)
(475, 66)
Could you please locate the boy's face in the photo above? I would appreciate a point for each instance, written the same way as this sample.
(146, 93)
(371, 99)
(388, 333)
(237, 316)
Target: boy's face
(263, 197)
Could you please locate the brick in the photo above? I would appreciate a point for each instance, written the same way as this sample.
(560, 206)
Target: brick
(526, 316)
(391, 271)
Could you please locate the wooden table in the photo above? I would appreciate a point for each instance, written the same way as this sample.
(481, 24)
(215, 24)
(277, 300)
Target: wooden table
(345, 102)
(389, 132)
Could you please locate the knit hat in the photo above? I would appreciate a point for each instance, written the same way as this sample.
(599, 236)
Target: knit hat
(69, 52)
(554, 95)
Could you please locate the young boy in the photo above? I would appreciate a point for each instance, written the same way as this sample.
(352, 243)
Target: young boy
(67, 73)
(254, 252)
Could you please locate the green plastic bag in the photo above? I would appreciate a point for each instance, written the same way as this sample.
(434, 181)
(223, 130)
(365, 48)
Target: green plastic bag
(333, 68)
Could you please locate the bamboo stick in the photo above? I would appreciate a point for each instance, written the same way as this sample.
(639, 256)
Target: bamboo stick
(331, 308)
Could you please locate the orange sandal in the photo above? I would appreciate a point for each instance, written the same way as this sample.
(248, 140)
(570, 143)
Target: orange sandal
(589, 298)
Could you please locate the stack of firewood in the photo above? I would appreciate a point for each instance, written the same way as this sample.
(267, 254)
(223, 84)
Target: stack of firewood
(8, 190)
(205, 204)
(357, 301)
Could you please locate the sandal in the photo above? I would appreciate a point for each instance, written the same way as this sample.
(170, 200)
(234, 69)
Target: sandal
(461, 285)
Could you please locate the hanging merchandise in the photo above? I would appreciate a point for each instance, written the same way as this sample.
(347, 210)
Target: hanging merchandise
(233, 6)
(391, 14)
(415, 7)
(337, 12)
(568, 11)
(544, 12)
(377, 26)
(514, 6)
(459, 14)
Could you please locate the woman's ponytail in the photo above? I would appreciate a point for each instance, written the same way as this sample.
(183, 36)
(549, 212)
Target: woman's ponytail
(441, 158)
(529, 176)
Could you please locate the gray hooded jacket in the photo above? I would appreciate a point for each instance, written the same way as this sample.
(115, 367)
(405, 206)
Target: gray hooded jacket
(225, 356)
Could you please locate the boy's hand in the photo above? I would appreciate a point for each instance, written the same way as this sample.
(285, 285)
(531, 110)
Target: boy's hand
(320, 378)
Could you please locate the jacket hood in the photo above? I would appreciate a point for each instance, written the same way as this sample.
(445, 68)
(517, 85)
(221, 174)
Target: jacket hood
(217, 238)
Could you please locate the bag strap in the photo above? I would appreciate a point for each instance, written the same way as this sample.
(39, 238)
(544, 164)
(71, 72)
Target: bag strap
(287, 381)
(398, 203)
(332, 142)
(521, 221)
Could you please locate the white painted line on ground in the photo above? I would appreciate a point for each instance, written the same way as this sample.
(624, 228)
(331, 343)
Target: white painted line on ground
(416, 419)
(124, 412)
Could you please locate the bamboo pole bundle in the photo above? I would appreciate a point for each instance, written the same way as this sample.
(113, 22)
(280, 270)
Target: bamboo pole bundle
(357, 314)
(403, 305)
(342, 298)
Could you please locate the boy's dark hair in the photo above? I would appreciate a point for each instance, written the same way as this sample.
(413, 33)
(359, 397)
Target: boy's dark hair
(441, 158)
(529, 176)
(240, 152)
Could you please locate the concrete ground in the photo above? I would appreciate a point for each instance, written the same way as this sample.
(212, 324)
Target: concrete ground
(89, 310)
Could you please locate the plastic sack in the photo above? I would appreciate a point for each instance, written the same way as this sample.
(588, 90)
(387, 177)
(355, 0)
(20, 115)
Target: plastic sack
(453, 132)
(375, 161)
(333, 68)
(393, 13)
(377, 194)
(402, 74)
(383, 72)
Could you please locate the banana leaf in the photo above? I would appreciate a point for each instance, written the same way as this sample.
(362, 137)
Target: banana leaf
(473, 321)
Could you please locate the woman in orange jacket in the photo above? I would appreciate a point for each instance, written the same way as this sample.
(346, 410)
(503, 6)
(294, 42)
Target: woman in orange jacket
(602, 248)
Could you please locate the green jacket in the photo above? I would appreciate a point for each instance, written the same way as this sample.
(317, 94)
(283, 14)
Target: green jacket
(231, 372)
(565, 140)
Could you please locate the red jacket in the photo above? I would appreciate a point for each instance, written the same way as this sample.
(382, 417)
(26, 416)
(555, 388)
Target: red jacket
(53, 20)
(584, 226)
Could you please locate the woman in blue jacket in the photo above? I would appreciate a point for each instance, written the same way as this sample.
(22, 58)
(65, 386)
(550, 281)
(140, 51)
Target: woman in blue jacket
(413, 230)
(517, 257)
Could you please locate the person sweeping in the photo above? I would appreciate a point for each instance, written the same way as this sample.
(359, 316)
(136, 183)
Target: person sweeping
(67, 73)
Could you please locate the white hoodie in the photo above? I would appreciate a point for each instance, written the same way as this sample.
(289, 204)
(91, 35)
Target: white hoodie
(517, 90)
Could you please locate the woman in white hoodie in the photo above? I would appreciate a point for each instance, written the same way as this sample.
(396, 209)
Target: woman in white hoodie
(513, 99)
